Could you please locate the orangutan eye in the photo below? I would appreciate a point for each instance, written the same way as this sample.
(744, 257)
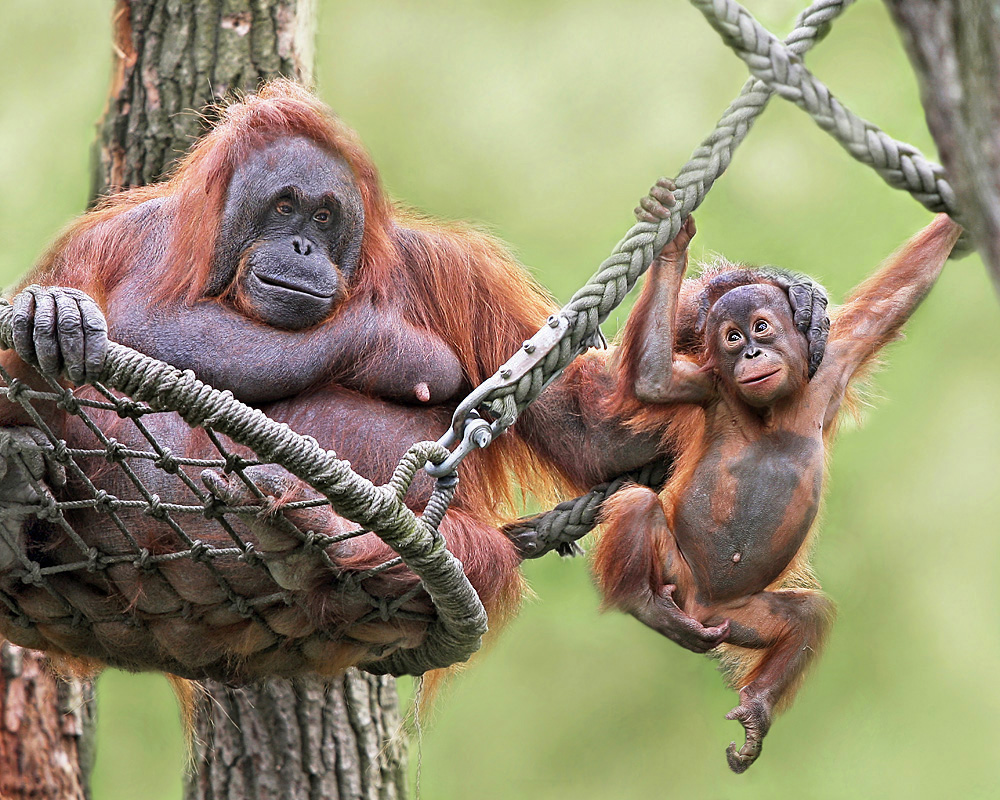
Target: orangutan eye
(733, 336)
(322, 216)
(284, 206)
(760, 326)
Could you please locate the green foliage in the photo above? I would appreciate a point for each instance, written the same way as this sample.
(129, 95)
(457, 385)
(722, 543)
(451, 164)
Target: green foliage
(546, 122)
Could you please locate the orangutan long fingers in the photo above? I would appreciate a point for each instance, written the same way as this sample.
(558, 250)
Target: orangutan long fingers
(70, 342)
(23, 325)
(58, 329)
(819, 328)
(95, 332)
(45, 334)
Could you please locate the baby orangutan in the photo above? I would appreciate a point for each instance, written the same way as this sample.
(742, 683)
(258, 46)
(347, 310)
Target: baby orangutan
(719, 557)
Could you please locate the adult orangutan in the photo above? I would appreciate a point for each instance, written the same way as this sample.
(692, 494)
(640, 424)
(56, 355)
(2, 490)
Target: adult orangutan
(725, 366)
(273, 265)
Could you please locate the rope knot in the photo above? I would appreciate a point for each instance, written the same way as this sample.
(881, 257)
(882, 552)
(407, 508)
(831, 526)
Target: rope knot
(114, 451)
(235, 462)
(155, 508)
(49, 509)
(32, 576)
(126, 408)
(16, 389)
(68, 403)
(144, 561)
(198, 551)
(60, 452)
(167, 462)
(104, 501)
(250, 555)
(214, 508)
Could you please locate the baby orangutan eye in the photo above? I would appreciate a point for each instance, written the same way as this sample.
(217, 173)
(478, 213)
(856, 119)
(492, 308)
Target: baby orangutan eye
(733, 336)
(760, 326)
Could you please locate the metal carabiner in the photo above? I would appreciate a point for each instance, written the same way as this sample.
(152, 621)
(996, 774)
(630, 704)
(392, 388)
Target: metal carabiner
(477, 434)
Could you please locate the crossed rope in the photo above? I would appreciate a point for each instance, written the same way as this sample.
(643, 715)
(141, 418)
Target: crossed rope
(455, 630)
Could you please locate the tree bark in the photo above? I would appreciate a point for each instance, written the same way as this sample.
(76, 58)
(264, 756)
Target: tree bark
(305, 738)
(174, 60)
(46, 729)
(301, 740)
(954, 46)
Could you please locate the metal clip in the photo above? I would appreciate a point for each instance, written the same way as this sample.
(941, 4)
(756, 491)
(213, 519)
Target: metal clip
(468, 429)
(478, 434)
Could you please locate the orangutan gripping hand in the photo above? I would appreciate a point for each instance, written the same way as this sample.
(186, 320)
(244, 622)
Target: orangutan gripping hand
(721, 551)
(60, 329)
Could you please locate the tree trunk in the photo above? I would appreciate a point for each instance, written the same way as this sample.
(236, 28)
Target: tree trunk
(301, 740)
(46, 729)
(305, 738)
(954, 46)
(174, 60)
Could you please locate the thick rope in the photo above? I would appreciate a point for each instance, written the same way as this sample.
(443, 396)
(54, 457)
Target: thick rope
(461, 619)
(901, 165)
(560, 528)
(573, 519)
(517, 384)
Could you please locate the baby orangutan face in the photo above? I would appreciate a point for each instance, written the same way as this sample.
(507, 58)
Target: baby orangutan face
(756, 349)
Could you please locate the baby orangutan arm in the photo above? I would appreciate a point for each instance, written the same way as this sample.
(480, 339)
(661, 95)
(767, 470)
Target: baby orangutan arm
(878, 307)
(647, 348)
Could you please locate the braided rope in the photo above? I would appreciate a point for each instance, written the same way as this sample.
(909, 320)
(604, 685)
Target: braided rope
(461, 619)
(507, 393)
(560, 527)
(901, 165)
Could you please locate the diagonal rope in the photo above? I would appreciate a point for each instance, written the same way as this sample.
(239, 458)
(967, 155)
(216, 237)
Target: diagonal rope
(577, 326)
(573, 519)
(901, 165)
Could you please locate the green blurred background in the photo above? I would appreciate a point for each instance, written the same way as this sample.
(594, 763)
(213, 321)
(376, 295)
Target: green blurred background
(546, 121)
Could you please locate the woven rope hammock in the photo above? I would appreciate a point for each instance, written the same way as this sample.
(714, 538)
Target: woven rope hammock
(59, 598)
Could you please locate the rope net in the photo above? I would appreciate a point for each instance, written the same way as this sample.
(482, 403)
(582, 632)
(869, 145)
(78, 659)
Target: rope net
(226, 588)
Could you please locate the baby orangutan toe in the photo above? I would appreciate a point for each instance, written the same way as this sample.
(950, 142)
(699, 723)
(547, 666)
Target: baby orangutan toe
(755, 716)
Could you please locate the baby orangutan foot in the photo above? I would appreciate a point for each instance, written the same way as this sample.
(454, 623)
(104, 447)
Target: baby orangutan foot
(755, 716)
(664, 616)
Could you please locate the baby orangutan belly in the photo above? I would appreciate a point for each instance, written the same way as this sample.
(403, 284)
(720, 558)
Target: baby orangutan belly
(746, 512)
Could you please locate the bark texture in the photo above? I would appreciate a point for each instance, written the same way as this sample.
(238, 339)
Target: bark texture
(306, 738)
(954, 46)
(46, 730)
(301, 740)
(174, 59)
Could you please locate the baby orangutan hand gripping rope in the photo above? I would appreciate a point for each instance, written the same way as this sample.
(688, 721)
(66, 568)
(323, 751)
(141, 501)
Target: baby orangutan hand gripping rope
(718, 558)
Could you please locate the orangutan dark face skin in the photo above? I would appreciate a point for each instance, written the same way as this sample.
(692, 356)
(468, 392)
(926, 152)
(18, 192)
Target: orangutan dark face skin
(718, 556)
(758, 353)
(294, 221)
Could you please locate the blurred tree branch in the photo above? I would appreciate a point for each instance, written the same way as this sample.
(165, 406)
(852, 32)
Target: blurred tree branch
(954, 46)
